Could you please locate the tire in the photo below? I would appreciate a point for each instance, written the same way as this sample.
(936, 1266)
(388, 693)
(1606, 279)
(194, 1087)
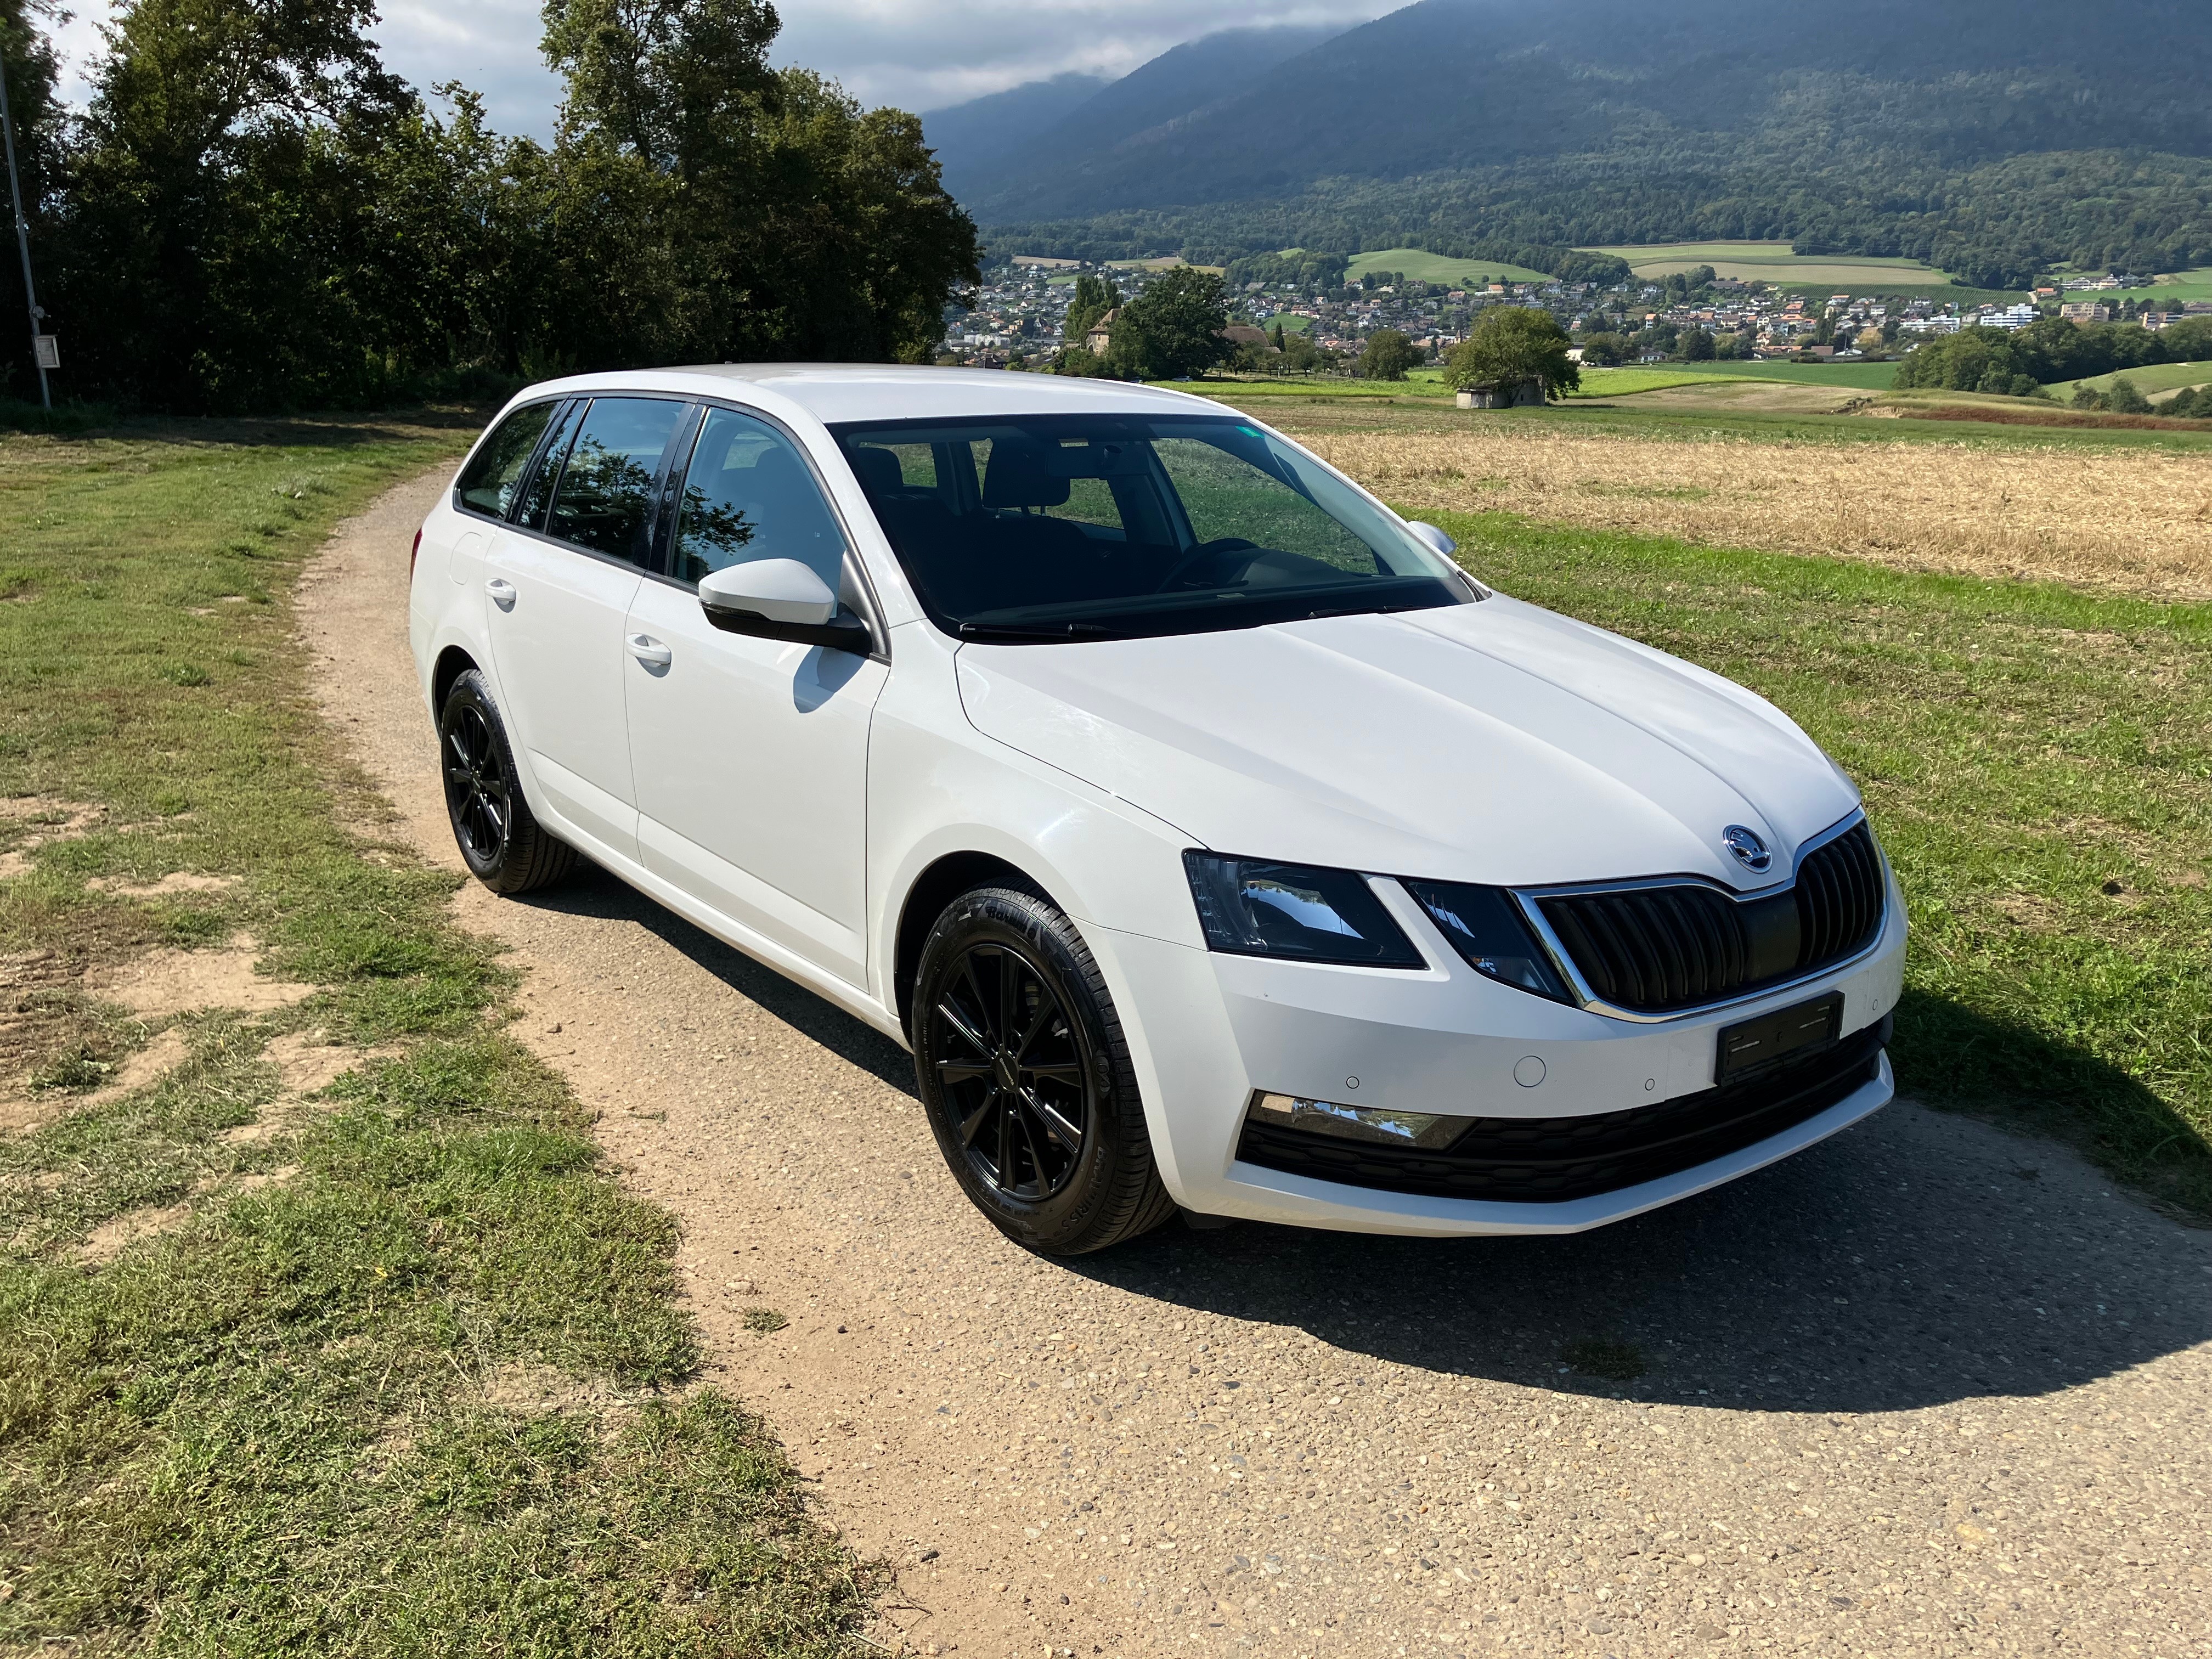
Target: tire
(504, 845)
(1018, 1050)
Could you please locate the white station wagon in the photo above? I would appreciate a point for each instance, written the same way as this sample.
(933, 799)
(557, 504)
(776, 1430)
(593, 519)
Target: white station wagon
(1209, 836)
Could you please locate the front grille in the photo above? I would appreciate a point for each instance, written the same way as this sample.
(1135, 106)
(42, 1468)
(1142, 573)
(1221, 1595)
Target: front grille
(1659, 949)
(1549, 1160)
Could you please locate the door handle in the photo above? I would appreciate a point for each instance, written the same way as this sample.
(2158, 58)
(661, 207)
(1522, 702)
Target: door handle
(650, 652)
(502, 592)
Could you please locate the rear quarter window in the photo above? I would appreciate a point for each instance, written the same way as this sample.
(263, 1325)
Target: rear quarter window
(494, 471)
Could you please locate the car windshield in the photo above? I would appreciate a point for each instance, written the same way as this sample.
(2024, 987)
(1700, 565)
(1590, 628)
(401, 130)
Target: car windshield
(1033, 529)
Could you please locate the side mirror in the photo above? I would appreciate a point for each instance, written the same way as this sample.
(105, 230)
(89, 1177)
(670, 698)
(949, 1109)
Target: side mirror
(1432, 538)
(780, 599)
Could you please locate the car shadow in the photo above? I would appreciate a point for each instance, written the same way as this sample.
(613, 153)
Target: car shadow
(1918, 1259)
(593, 893)
(1921, 1258)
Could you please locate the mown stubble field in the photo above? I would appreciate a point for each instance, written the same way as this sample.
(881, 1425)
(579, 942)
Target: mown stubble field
(2135, 521)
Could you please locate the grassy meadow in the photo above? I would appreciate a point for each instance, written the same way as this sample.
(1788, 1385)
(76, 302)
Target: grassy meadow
(2150, 380)
(2036, 752)
(1424, 266)
(323, 1326)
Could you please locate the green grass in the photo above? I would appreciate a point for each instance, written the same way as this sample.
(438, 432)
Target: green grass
(1426, 386)
(1872, 377)
(397, 1370)
(1645, 377)
(1426, 267)
(2175, 285)
(2038, 763)
(2155, 377)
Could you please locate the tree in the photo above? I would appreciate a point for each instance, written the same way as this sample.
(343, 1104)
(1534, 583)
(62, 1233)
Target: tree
(1695, 346)
(1387, 356)
(1275, 337)
(711, 206)
(40, 133)
(1172, 331)
(258, 215)
(1094, 297)
(2126, 399)
(1604, 350)
(221, 220)
(1513, 343)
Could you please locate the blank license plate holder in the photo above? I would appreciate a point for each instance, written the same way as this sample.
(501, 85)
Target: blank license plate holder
(1752, 1044)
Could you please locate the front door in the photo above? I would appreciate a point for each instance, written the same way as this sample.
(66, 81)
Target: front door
(750, 755)
(558, 586)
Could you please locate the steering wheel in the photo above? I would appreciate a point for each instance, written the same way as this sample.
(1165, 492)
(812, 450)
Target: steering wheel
(1202, 552)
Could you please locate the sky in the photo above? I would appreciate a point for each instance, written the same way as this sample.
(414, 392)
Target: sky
(916, 54)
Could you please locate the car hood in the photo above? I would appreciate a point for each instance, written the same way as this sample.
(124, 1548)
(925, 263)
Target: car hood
(1494, 742)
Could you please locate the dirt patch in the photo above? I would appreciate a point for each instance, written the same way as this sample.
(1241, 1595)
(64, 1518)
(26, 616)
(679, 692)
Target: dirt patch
(30, 822)
(110, 1239)
(181, 881)
(307, 1060)
(24, 1109)
(163, 982)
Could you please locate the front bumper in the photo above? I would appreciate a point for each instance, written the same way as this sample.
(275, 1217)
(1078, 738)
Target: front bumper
(1213, 1030)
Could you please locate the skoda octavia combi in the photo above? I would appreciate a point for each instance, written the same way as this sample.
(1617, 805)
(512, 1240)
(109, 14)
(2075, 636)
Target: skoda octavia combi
(1211, 838)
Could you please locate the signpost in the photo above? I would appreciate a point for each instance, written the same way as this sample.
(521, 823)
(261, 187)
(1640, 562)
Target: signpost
(45, 349)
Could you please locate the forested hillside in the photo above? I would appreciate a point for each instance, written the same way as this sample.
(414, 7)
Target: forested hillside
(1990, 138)
(992, 144)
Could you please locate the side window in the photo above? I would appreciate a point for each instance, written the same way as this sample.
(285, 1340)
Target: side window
(748, 494)
(604, 500)
(540, 493)
(494, 471)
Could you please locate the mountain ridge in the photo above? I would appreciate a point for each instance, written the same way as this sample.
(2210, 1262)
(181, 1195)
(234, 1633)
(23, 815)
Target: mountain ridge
(1990, 138)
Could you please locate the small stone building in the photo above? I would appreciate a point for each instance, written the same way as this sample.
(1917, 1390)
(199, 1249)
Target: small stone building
(1506, 394)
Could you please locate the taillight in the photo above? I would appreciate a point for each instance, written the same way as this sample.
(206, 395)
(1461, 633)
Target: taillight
(414, 553)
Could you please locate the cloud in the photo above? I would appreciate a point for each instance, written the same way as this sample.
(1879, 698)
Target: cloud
(917, 54)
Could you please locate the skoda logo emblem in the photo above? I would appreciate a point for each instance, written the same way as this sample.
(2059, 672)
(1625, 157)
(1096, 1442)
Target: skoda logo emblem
(1749, 850)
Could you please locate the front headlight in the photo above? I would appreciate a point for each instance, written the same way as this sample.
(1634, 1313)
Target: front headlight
(1251, 908)
(1486, 928)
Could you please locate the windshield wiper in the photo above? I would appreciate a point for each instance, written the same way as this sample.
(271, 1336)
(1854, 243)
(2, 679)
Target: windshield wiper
(1038, 633)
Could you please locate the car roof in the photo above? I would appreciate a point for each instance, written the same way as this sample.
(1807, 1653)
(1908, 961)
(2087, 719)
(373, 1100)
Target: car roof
(833, 392)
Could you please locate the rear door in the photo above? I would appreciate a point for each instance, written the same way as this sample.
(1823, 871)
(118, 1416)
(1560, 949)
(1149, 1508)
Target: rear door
(559, 583)
(751, 755)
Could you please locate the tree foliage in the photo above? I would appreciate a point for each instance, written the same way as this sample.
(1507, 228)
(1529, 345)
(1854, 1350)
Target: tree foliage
(1173, 329)
(1387, 356)
(2015, 364)
(1512, 344)
(254, 214)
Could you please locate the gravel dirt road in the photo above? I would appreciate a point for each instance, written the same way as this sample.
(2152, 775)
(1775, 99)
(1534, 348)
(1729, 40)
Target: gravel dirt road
(1928, 1390)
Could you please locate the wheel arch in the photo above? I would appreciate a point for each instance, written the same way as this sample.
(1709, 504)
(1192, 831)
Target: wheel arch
(937, 885)
(453, 662)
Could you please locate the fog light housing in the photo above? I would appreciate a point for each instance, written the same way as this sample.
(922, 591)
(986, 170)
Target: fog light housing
(1376, 1126)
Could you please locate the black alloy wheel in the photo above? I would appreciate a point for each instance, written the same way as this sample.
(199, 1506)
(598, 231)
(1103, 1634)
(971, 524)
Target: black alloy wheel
(1024, 1072)
(477, 787)
(1012, 1071)
(499, 837)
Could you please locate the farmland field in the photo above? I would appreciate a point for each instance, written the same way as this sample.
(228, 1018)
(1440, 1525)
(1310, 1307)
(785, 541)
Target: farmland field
(2138, 521)
(1426, 267)
(1868, 377)
(2174, 286)
(2153, 378)
(1773, 262)
(1654, 377)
